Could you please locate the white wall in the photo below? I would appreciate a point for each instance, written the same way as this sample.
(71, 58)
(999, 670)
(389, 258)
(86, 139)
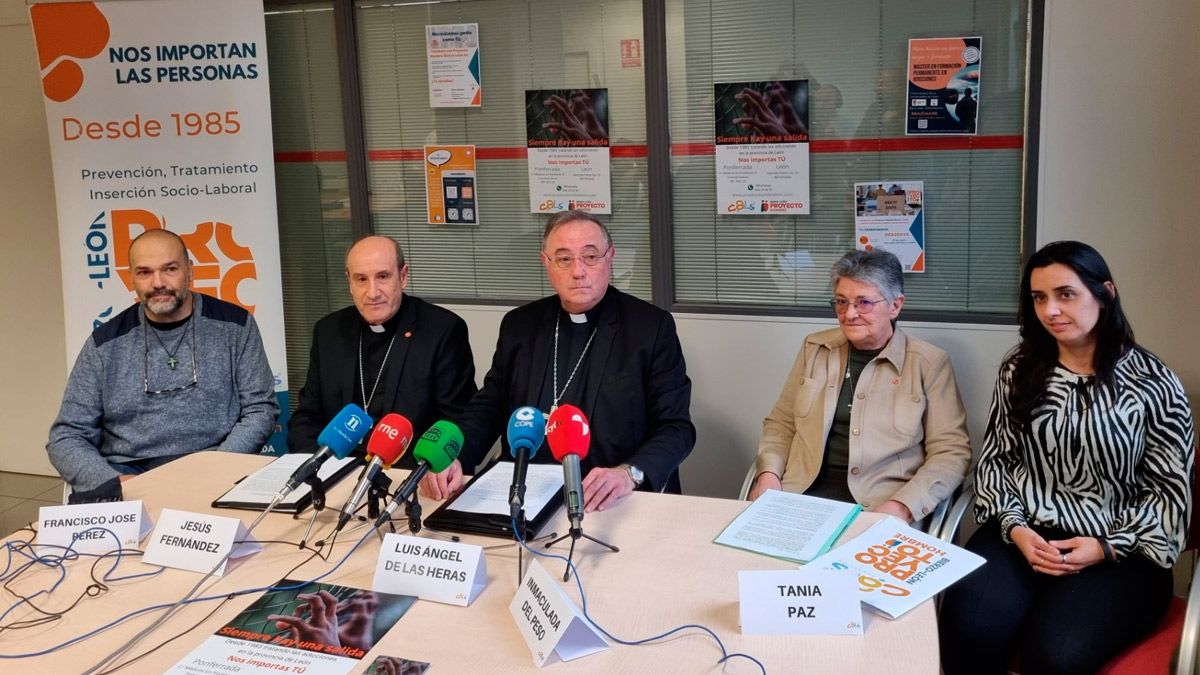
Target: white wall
(1120, 168)
(33, 362)
(738, 365)
(1121, 159)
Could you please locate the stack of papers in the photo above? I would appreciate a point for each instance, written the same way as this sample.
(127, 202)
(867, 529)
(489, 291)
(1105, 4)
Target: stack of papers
(789, 526)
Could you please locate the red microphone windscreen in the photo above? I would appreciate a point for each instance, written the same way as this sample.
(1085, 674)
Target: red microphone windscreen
(390, 438)
(568, 433)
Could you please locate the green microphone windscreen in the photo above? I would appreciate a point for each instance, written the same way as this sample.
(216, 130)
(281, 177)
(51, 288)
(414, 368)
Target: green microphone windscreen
(439, 446)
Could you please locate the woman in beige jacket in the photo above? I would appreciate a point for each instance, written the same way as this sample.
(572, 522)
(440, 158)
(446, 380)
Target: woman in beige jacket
(868, 414)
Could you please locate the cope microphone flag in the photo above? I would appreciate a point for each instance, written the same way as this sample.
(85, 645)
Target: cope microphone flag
(387, 444)
(345, 431)
(526, 431)
(434, 451)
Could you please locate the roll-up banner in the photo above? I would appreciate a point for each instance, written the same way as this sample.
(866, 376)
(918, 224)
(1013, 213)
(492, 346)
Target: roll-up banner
(159, 117)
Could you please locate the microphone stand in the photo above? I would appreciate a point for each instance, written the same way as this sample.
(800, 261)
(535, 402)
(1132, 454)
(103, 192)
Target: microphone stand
(519, 532)
(412, 509)
(317, 487)
(377, 494)
(575, 533)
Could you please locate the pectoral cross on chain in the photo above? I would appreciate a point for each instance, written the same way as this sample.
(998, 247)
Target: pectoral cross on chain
(172, 362)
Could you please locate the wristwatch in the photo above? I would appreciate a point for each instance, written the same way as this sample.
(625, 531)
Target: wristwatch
(635, 474)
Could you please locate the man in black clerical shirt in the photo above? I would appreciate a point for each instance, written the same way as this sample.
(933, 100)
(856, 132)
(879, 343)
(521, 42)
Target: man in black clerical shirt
(614, 356)
(390, 352)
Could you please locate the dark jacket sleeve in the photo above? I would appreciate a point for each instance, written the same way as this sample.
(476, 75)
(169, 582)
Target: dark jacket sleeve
(454, 372)
(483, 419)
(670, 433)
(308, 420)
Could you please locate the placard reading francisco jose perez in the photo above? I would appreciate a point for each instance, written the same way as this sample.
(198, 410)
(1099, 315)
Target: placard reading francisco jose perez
(803, 602)
(94, 528)
(441, 571)
(198, 542)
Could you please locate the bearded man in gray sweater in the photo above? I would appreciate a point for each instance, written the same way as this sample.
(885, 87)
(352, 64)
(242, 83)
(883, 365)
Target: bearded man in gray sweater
(175, 373)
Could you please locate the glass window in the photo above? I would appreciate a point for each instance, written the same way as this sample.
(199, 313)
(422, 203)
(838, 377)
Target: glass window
(310, 172)
(854, 56)
(524, 44)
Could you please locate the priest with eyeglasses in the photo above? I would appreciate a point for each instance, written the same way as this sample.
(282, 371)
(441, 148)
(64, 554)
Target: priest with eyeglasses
(613, 356)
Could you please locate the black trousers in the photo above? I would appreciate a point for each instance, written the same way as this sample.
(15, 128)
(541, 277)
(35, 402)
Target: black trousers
(1069, 624)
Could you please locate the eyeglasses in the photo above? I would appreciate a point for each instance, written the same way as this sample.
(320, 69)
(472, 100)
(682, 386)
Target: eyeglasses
(861, 305)
(566, 262)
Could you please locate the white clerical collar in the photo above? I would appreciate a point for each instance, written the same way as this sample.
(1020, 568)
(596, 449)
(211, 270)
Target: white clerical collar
(577, 318)
(376, 328)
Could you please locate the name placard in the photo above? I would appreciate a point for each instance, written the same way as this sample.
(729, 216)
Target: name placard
(198, 541)
(441, 571)
(549, 621)
(94, 528)
(798, 602)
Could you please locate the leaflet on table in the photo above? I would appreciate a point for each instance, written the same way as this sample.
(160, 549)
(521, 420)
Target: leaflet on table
(489, 494)
(899, 567)
(257, 489)
(789, 526)
(286, 630)
(386, 665)
(891, 215)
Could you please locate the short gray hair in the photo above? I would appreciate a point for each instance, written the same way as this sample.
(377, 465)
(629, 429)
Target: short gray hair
(570, 216)
(877, 267)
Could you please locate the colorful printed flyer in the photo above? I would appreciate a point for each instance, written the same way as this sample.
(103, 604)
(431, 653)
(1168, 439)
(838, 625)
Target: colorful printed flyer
(450, 196)
(159, 117)
(300, 627)
(568, 155)
(943, 85)
(452, 55)
(897, 566)
(394, 665)
(891, 215)
(762, 147)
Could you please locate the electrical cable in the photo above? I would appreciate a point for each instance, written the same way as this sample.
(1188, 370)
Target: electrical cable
(725, 655)
(151, 608)
(170, 639)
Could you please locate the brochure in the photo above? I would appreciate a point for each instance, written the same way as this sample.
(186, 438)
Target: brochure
(789, 526)
(254, 492)
(899, 567)
(299, 627)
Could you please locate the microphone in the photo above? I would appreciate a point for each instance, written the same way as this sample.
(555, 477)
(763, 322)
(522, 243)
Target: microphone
(569, 434)
(337, 439)
(387, 444)
(526, 431)
(434, 451)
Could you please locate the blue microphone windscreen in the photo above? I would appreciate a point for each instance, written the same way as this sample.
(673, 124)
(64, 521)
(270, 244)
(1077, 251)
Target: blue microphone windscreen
(526, 430)
(345, 430)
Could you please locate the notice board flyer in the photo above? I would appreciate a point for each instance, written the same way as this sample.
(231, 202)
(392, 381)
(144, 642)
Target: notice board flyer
(287, 629)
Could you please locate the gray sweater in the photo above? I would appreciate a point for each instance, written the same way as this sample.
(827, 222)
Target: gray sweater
(107, 416)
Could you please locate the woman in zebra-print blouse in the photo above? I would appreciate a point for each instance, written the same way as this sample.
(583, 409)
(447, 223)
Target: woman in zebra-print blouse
(1084, 484)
